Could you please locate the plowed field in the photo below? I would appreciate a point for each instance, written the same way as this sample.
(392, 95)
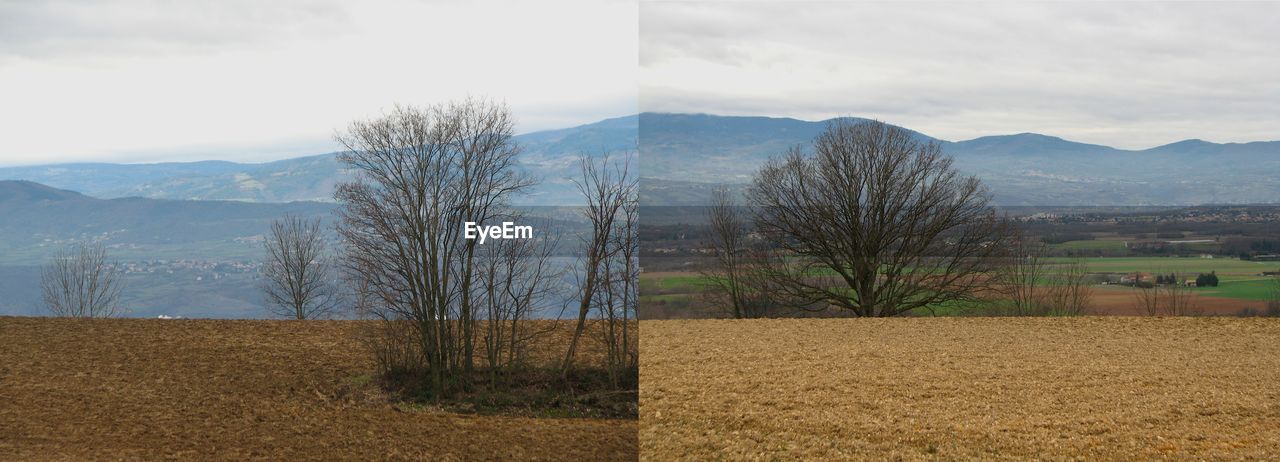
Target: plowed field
(1096, 388)
(233, 390)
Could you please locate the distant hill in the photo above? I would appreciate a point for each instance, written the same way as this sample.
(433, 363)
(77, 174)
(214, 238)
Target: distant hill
(549, 155)
(39, 219)
(188, 258)
(685, 155)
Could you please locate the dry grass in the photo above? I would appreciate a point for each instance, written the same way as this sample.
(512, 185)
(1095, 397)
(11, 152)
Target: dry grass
(233, 390)
(1097, 388)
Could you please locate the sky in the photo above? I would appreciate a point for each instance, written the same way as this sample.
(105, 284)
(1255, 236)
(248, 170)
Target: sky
(247, 80)
(1127, 75)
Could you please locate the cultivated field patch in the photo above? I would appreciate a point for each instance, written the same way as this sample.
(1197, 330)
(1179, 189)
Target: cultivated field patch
(1101, 388)
(278, 390)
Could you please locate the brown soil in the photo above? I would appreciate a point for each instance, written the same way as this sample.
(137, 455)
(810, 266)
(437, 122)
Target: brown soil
(1120, 301)
(1093, 388)
(280, 390)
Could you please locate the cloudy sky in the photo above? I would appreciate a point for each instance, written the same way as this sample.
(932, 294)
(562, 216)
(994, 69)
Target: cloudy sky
(133, 81)
(1132, 75)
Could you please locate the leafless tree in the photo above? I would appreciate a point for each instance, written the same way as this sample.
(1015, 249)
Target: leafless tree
(1070, 293)
(619, 297)
(1023, 278)
(80, 283)
(422, 173)
(298, 277)
(1172, 299)
(360, 293)
(736, 263)
(608, 185)
(514, 277)
(884, 214)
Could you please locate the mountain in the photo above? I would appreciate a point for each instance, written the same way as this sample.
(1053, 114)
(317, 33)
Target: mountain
(39, 219)
(685, 155)
(187, 258)
(181, 257)
(28, 192)
(550, 155)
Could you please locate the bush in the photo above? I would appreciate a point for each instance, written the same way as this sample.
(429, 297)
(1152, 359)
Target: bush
(395, 348)
(1207, 280)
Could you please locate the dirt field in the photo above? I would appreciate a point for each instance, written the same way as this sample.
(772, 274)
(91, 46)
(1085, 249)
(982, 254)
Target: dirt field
(1097, 388)
(280, 390)
(1120, 301)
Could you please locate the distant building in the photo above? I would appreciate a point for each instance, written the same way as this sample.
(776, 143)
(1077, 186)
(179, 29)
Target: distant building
(1136, 278)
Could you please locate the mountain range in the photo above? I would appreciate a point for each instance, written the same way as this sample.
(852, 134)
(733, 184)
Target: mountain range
(684, 156)
(193, 258)
(549, 155)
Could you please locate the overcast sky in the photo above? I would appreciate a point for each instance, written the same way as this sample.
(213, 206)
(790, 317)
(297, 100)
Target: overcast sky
(1133, 75)
(131, 81)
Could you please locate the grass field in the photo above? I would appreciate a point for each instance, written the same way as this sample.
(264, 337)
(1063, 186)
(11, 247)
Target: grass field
(148, 389)
(1182, 265)
(1242, 289)
(1091, 388)
(1097, 244)
(1239, 280)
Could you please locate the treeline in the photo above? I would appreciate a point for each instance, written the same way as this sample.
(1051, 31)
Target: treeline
(453, 315)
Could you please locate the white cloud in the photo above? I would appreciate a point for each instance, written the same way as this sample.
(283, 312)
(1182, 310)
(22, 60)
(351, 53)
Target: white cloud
(143, 81)
(1131, 75)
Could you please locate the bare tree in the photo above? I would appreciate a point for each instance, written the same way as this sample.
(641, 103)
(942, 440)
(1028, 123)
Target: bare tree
(884, 214)
(607, 185)
(298, 279)
(422, 173)
(80, 283)
(360, 293)
(1023, 278)
(737, 262)
(1070, 293)
(619, 298)
(514, 277)
(1171, 299)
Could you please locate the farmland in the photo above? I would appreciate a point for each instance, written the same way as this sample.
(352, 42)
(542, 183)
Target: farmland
(677, 294)
(1102, 388)
(234, 390)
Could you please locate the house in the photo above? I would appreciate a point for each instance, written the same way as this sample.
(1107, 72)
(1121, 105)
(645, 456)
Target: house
(1136, 278)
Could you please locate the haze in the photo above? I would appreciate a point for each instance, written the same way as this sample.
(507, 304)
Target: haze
(256, 81)
(1128, 75)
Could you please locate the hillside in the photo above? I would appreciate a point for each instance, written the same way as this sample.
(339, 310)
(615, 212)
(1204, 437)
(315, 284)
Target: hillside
(549, 155)
(682, 150)
(39, 218)
(182, 257)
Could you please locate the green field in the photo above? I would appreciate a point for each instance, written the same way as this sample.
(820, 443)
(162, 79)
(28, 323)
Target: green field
(1099, 244)
(1181, 265)
(1238, 279)
(1243, 289)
